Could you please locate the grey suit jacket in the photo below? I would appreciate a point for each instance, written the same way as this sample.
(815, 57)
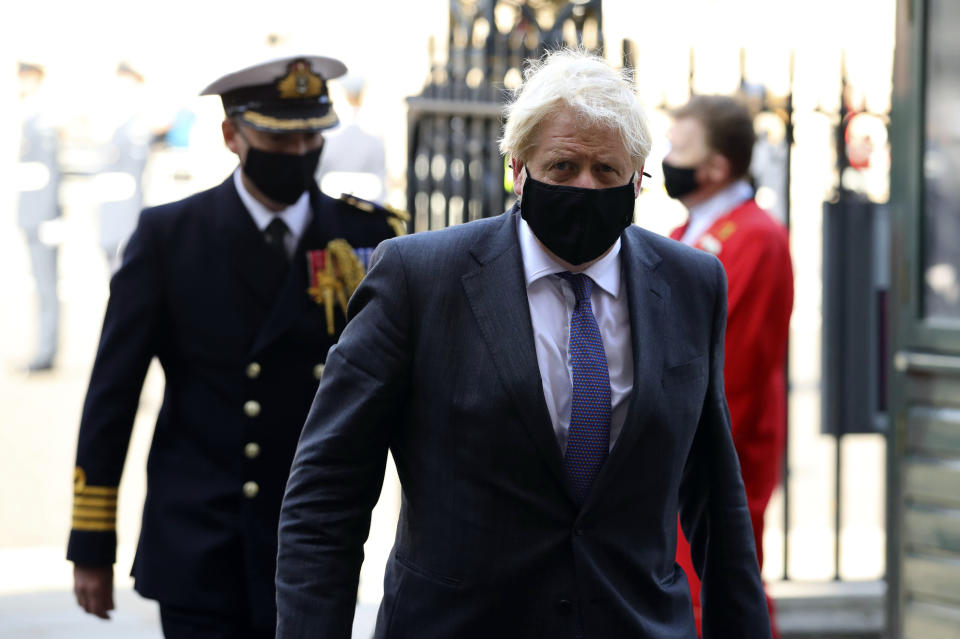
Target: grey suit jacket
(438, 363)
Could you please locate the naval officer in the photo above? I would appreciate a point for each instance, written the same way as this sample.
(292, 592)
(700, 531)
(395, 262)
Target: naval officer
(238, 291)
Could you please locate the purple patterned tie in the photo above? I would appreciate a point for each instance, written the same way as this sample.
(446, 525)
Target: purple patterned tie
(588, 440)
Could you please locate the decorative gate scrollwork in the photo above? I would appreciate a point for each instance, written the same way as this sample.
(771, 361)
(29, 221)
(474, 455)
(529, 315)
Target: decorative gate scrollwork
(455, 173)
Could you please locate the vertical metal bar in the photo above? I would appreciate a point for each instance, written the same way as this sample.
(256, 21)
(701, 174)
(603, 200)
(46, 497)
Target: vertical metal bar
(843, 160)
(475, 168)
(626, 54)
(456, 171)
(429, 91)
(493, 181)
(786, 439)
(412, 130)
(789, 139)
(838, 503)
(421, 202)
(440, 157)
(843, 194)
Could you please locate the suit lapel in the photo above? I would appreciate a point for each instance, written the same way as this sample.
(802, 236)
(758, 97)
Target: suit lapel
(497, 294)
(647, 296)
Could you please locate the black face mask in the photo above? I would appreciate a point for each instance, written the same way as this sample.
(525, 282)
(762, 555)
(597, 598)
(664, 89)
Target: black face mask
(679, 181)
(282, 177)
(577, 225)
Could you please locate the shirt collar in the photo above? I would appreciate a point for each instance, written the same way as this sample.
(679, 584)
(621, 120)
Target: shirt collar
(538, 264)
(709, 211)
(296, 216)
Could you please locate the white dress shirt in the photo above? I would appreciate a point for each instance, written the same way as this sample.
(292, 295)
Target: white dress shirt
(296, 216)
(703, 215)
(552, 301)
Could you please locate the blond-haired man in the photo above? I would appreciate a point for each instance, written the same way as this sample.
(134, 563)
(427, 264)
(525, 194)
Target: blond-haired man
(549, 382)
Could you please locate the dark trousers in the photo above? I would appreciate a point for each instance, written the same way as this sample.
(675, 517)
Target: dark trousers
(183, 623)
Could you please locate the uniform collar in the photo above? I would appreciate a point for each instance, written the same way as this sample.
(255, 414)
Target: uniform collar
(296, 216)
(703, 215)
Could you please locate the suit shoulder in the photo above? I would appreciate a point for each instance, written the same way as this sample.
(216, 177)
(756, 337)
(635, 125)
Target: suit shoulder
(680, 264)
(452, 239)
(434, 261)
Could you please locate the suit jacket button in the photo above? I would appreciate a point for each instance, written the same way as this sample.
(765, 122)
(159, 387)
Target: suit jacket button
(252, 450)
(250, 489)
(565, 606)
(318, 371)
(253, 370)
(251, 408)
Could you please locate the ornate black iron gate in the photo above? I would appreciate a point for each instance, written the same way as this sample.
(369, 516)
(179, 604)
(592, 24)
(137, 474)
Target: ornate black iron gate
(454, 170)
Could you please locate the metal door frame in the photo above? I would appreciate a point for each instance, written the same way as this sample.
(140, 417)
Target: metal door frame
(917, 345)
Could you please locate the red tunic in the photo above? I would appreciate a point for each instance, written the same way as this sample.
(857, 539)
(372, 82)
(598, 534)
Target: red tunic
(755, 251)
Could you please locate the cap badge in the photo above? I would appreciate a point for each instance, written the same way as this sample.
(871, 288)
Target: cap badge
(300, 82)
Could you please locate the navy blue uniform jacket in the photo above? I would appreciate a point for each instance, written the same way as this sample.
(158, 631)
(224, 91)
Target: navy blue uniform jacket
(438, 364)
(239, 341)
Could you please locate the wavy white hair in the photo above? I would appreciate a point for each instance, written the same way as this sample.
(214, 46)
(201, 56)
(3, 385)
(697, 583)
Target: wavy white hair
(585, 82)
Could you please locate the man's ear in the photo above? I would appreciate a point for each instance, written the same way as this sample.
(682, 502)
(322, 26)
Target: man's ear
(636, 185)
(230, 135)
(518, 176)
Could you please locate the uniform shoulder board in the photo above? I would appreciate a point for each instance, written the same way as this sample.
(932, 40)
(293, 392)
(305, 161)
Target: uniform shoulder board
(357, 203)
(398, 213)
(396, 218)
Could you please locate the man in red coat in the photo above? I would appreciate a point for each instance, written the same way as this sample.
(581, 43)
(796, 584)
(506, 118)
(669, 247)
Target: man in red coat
(706, 169)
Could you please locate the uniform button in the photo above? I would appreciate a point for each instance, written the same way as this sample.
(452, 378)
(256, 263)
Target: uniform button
(252, 450)
(253, 370)
(250, 489)
(565, 606)
(251, 408)
(318, 371)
